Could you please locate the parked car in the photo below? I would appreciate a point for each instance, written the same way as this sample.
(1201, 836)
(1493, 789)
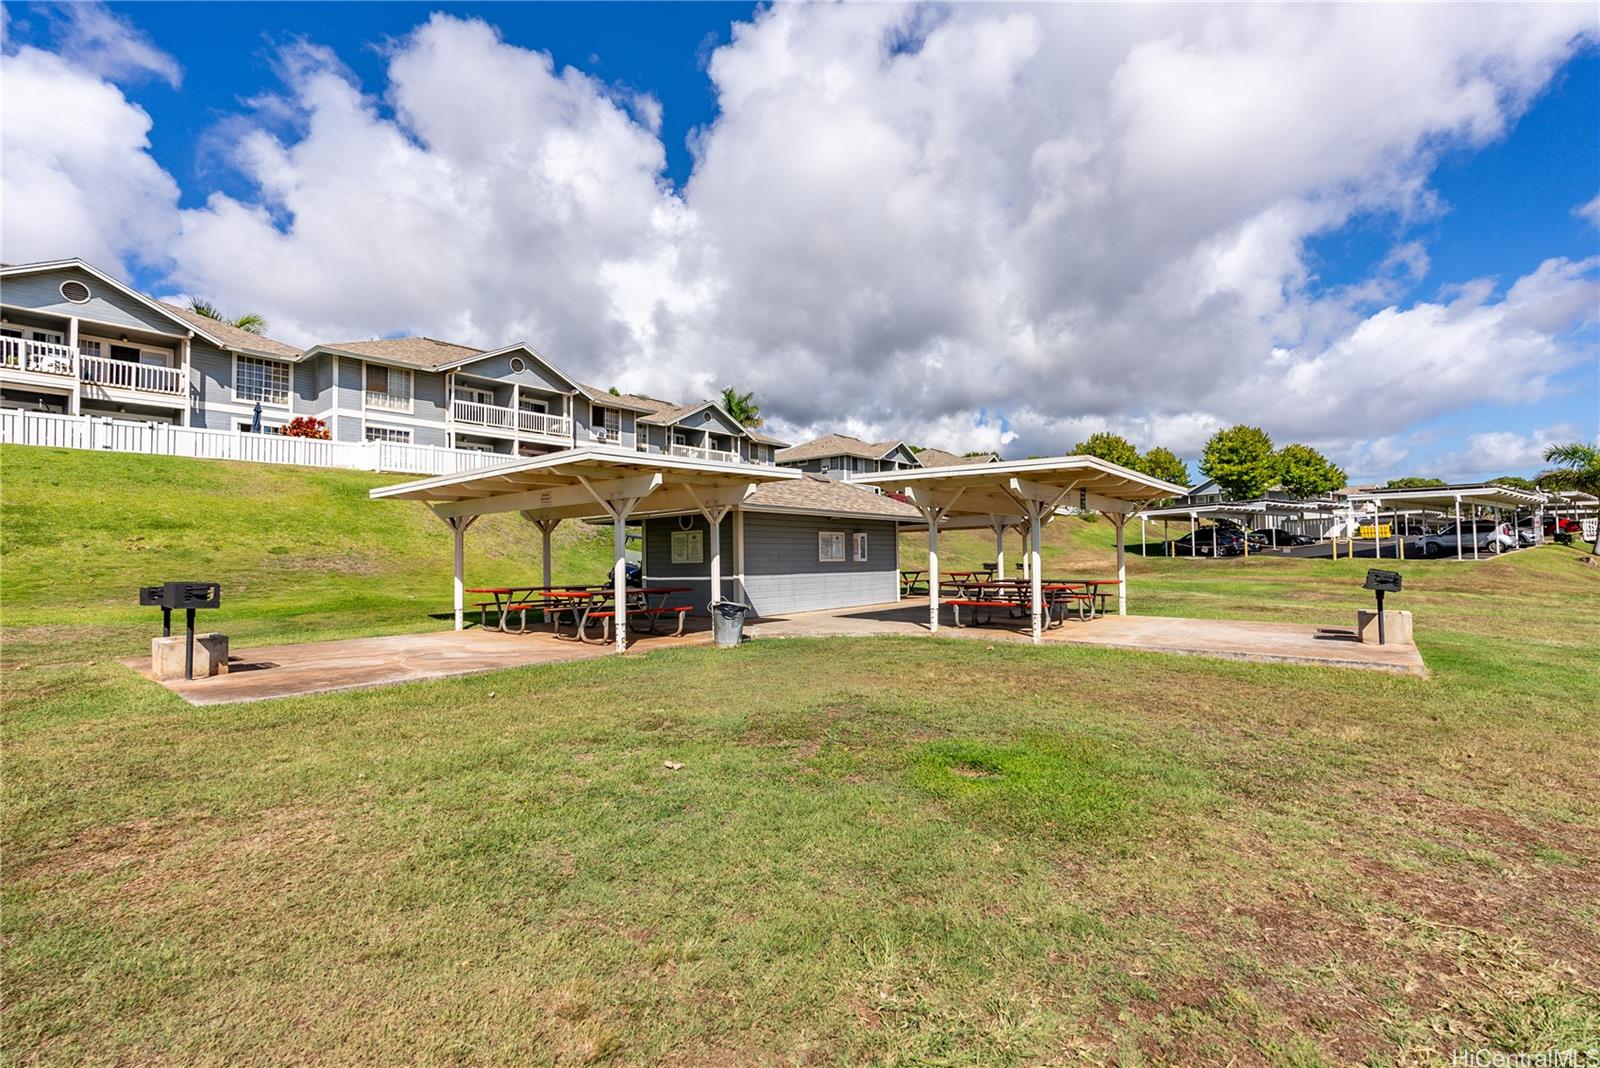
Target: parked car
(1284, 537)
(1257, 541)
(1228, 543)
(1490, 537)
(1563, 525)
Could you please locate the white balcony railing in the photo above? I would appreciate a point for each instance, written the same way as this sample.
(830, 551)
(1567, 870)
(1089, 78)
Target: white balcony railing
(556, 426)
(696, 452)
(491, 415)
(140, 377)
(388, 402)
(40, 357)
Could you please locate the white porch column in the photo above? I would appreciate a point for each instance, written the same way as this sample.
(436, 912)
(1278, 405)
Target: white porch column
(738, 555)
(459, 524)
(1000, 549)
(188, 383)
(1377, 535)
(1121, 521)
(1194, 536)
(1474, 522)
(1144, 539)
(1458, 528)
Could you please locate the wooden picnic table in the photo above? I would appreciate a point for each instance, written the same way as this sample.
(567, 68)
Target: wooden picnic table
(909, 577)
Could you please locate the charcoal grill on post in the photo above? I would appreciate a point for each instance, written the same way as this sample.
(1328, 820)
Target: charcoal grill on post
(1381, 582)
(187, 596)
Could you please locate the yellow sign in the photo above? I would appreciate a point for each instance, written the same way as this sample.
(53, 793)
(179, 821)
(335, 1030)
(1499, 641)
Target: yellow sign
(1384, 531)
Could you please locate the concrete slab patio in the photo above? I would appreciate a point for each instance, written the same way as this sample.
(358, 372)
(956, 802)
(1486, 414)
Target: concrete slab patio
(359, 663)
(1232, 639)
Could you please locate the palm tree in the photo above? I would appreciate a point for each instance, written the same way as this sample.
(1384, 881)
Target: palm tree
(1577, 469)
(250, 322)
(742, 406)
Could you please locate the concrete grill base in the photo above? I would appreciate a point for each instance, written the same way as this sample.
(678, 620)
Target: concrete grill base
(210, 656)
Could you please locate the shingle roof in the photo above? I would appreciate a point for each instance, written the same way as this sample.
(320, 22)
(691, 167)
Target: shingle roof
(672, 413)
(822, 495)
(765, 438)
(425, 353)
(632, 401)
(836, 445)
(940, 458)
(229, 334)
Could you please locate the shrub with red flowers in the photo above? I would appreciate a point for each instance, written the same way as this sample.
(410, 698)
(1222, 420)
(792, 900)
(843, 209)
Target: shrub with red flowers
(305, 426)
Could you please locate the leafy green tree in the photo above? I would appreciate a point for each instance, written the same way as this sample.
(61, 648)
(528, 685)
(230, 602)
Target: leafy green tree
(1515, 482)
(1304, 472)
(1164, 464)
(742, 406)
(1577, 469)
(250, 322)
(1107, 446)
(1240, 459)
(1414, 482)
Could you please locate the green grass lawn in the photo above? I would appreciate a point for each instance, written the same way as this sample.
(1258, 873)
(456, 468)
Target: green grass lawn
(907, 851)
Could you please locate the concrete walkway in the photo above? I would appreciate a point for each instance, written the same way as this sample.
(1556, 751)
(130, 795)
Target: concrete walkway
(1273, 643)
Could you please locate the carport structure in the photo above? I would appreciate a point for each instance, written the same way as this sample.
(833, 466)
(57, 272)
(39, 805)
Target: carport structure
(588, 483)
(1025, 493)
(1447, 500)
(1240, 512)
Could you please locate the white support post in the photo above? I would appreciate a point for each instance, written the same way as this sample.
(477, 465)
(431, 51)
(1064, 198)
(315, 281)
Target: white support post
(738, 555)
(932, 516)
(1213, 537)
(459, 525)
(619, 504)
(1194, 536)
(1143, 540)
(1377, 535)
(1459, 532)
(1475, 538)
(547, 527)
(1036, 578)
(1122, 564)
(1000, 548)
(1027, 560)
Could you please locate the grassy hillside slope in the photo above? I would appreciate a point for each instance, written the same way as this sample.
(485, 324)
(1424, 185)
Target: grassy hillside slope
(299, 551)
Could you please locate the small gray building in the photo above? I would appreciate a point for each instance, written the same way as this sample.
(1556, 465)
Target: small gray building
(798, 546)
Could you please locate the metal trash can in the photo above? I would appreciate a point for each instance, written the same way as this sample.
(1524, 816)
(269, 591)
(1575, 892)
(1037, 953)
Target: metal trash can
(727, 623)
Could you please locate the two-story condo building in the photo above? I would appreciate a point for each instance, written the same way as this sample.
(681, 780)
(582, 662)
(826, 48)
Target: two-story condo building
(75, 340)
(842, 457)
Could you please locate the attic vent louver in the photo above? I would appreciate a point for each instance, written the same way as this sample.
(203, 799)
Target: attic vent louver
(75, 291)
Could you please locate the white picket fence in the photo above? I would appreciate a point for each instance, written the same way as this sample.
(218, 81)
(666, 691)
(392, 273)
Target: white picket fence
(19, 426)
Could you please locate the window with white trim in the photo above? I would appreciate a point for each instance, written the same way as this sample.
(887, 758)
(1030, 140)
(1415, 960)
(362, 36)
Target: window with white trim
(387, 433)
(88, 348)
(859, 543)
(388, 387)
(264, 380)
(830, 546)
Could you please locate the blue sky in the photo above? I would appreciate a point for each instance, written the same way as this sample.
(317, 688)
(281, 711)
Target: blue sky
(1460, 203)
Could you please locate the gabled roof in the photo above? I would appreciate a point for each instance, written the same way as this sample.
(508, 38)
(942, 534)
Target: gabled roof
(940, 458)
(820, 495)
(669, 416)
(520, 346)
(424, 353)
(838, 445)
(229, 336)
(165, 310)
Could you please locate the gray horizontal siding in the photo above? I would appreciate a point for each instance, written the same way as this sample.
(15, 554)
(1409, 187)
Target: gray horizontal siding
(210, 382)
(783, 574)
(661, 571)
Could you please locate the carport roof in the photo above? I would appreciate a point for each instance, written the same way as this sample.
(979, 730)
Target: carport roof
(1489, 494)
(572, 483)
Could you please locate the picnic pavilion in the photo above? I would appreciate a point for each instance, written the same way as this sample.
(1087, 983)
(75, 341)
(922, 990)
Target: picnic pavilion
(589, 483)
(1026, 494)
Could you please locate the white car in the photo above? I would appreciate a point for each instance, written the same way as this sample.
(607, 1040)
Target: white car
(1491, 537)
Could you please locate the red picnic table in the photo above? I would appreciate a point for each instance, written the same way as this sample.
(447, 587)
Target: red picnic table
(599, 603)
(508, 599)
(1015, 595)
